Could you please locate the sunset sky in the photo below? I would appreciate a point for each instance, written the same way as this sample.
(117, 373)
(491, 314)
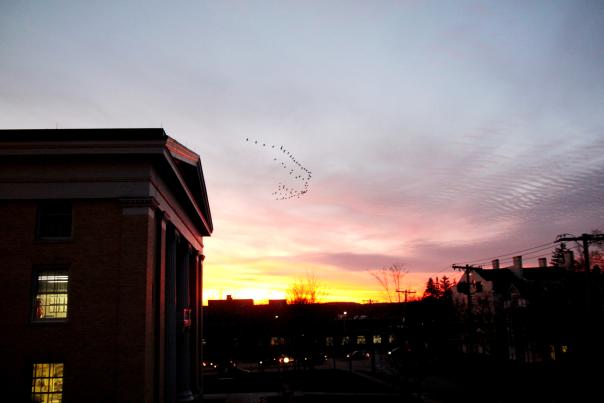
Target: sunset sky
(436, 131)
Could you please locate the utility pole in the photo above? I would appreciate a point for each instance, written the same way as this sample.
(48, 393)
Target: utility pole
(468, 268)
(586, 239)
(406, 292)
(587, 341)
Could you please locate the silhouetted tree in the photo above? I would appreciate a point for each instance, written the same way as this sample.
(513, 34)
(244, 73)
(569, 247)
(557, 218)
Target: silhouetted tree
(596, 258)
(598, 244)
(433, 289)
(445, 287)
(306, 290)
(595, 251)
(557, 258)
(390, 280)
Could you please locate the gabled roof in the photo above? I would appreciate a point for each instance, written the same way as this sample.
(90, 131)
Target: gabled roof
(528, 281)
(502, 279)
(189, 165)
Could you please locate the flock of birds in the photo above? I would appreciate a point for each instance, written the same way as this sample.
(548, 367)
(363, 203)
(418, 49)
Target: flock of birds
(297, 171)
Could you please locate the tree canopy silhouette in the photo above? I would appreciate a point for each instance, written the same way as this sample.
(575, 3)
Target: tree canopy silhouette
(558, 258)
(305, 290)
(438, 288)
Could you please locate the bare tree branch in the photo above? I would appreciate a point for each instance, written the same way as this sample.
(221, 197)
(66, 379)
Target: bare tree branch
(390, 279)
(306, 290)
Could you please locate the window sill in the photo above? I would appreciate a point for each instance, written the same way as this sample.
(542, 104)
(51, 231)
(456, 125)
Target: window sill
(53, 240)
(38, 322)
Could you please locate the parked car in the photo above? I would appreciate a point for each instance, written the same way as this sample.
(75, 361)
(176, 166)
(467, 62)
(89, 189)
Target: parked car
(359, 355)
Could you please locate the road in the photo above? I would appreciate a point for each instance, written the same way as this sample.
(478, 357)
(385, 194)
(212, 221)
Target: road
(286, 384)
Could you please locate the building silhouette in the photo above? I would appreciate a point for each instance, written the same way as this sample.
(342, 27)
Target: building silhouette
(101, 253)
(532, 315)
(321, 333)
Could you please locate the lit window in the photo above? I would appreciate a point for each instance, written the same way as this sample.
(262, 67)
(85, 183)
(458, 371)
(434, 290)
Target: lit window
(47, 383)
(391, 339)
(277, 341)
(377, 339)
(50, 300)
(329, 341)
(345, 340)
(361, 340)
(54, 220)
(552, 352)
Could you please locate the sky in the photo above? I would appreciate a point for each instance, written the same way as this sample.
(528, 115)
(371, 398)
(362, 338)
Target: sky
(429, 132)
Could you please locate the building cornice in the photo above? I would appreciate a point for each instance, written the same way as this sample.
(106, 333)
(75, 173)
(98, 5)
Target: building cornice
(152, 144)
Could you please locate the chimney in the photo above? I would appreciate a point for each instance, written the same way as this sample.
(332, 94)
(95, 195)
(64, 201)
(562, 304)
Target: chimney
(569, 259)
(542, 262)
(517, 262)
(229, 298)
(495, 264)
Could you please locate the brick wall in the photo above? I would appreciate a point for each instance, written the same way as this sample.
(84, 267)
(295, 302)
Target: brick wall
(106, 343)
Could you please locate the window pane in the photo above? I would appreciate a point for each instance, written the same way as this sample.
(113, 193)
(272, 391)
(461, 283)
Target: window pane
(47, 382)
(51, 295)
(54, 220)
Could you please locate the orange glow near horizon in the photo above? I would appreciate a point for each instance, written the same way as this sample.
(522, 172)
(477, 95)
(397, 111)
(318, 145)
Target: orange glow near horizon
(264, 279)
(338, 239)
(249, 281)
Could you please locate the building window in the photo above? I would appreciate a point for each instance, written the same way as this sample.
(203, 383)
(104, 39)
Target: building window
(329, 341)
(377, 339)
(54, 220)
(277, 341)
(50, 298)
(345, 340)
(361, 340)
(47, 383)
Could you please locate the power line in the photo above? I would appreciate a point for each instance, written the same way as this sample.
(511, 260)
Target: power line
(530, 255)
(446, 268)
(585, 239)
(533, 252)
(406, 292)
(488, 259)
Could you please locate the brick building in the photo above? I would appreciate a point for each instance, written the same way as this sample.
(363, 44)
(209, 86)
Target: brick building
(101, 251)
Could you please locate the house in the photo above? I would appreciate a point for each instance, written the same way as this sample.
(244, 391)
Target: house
(102, 259)
(530, 314)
